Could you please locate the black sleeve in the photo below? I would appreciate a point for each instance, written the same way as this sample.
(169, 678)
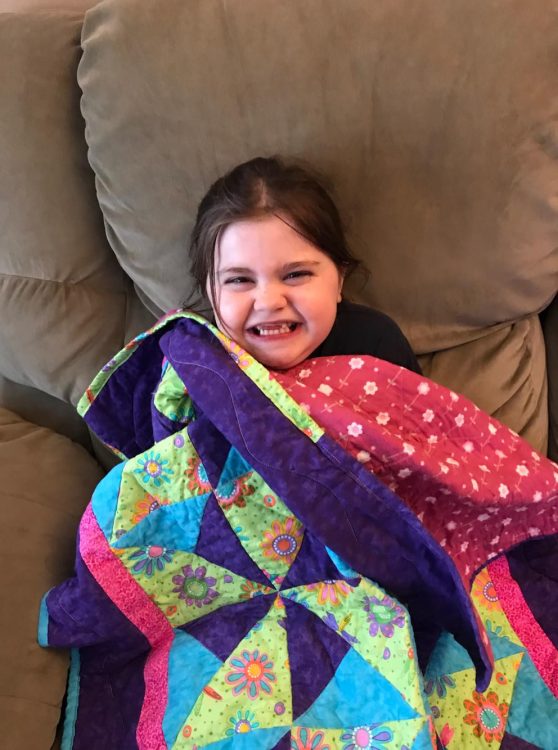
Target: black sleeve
(362, 330)
(394, 347)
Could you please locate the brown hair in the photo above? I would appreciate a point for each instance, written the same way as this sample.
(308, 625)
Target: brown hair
(261, 187)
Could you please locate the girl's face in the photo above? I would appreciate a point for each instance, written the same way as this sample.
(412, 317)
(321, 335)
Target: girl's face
(276, 294)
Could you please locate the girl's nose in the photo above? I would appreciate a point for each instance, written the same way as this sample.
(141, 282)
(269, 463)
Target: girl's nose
(269, 297)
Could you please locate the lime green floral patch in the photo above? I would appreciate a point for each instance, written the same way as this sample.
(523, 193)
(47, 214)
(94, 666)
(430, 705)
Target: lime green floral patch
(171, 397)
(190, 588)
(265, 527)
(252, 690)
(169, 473)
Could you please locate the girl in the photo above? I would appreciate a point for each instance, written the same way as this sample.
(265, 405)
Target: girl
(269, 251)
(216, 589)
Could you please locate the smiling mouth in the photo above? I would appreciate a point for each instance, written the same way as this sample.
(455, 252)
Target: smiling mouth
(273, 329)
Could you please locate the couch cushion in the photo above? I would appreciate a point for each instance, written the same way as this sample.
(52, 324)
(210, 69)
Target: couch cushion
(442, 144)
(510, 357)
(44, 410)
(68, 303)
(46, 482)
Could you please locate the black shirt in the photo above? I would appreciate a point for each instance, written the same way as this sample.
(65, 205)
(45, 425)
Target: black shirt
(362, 330)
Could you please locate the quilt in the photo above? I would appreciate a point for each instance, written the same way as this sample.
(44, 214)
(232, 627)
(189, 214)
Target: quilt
(344, 555)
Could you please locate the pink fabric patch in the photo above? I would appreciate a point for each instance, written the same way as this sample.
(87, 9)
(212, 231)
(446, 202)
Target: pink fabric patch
(475, 485)
(540, 648)
(134, 603)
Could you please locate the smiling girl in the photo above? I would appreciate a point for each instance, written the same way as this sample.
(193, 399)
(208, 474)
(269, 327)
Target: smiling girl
(269, 251)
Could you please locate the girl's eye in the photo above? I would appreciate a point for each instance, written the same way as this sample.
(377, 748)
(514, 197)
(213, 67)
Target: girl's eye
(236, 280)
(298, 274)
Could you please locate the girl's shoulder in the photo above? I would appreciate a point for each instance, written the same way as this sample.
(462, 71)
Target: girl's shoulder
(359, 329)
(351, 312)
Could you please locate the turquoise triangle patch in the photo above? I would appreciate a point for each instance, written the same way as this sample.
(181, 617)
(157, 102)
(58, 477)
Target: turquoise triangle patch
(533, 715)
(175, 526)
(105, 499)
(191, 667)
(341, 565)
(502, 646)
(423, 740)
(257, 739)
(449, 656)
(235, 466)
(356, 695)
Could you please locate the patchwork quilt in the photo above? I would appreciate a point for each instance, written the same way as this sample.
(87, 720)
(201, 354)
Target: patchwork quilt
(344, 555)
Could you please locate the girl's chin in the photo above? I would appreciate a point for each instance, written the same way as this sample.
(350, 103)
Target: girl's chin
(278, 352)
(280, 363)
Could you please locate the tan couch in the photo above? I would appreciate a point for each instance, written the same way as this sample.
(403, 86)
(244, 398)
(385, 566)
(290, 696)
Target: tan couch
(438, 124)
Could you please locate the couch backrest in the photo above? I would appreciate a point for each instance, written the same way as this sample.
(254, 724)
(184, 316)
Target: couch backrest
(64, 300)
(437, 124)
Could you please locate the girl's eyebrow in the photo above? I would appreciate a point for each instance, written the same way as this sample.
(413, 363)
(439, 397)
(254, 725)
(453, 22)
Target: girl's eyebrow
(298, 263)
(233, 269)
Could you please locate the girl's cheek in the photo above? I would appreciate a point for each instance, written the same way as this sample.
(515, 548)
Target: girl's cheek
(230, 307)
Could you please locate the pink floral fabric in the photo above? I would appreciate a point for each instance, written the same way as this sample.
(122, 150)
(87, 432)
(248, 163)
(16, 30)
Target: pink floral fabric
(474, 483)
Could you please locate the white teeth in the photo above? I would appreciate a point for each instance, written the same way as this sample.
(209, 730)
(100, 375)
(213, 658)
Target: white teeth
(273, 330)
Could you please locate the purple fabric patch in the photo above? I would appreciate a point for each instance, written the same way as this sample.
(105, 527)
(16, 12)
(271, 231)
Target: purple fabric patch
(222, 630)
(315, 652)
(510, 742)
(284, 743)
(331, 493)
(211, 447)
(534, 565)
(162, 425)
(312, 564)
(110, 700)
(218, 544)
(111, 679)
(86, 616)
(121, 413)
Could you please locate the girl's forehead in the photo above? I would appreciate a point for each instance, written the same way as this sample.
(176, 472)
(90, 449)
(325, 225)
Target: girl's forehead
(267, 241)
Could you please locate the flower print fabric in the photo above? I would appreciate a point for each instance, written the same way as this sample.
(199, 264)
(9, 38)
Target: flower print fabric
(213, 574)
(282, 541)
(330, 592)
(148, 504)
(251, 672)
(150, 559)
(476, 486)
(153, 469)
(384, 615)
(194, 586)
(373, 737)
(486, 714)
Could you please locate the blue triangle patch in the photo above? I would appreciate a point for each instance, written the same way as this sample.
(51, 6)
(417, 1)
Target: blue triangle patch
(423, 740)
(235, 466)
(449, 656)
(502, 646)
(356, 695)
(105, 499)
(175, 526)
(533, 713)
(191, 667)
(257, 739)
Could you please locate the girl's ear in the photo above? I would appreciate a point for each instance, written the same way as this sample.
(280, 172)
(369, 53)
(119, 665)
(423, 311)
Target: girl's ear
(340, 290)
